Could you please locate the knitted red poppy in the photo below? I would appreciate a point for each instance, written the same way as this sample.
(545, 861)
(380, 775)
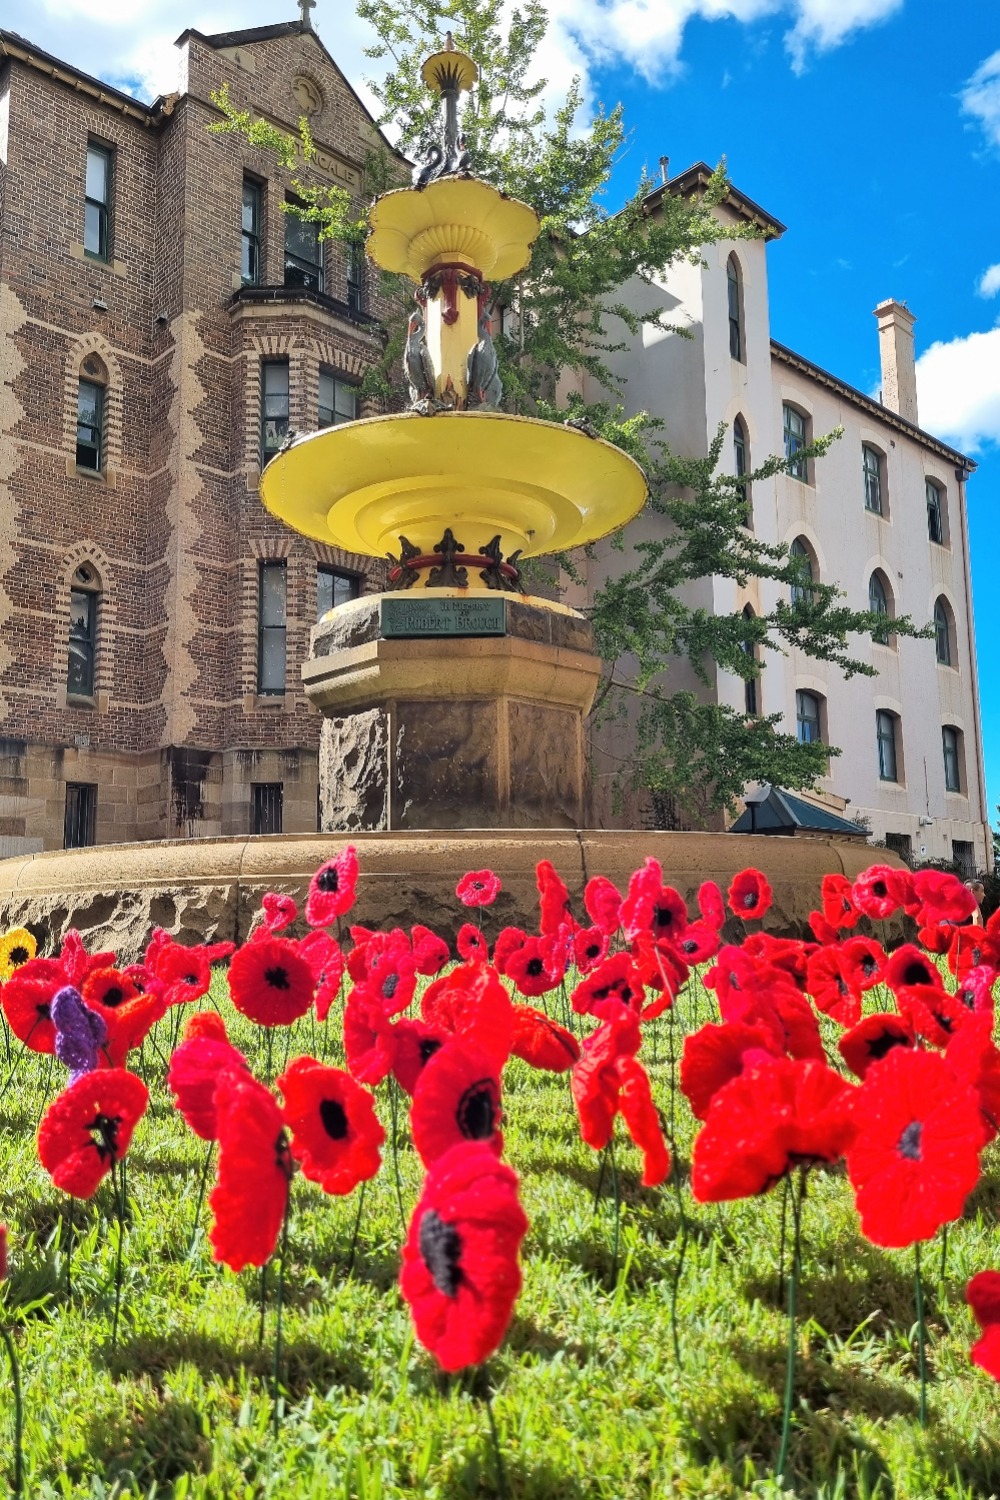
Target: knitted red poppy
(369, 1037)
(456, 1098)
(699, 943)
(203, 1061)
(617, 980)
(530, 966)
(542, 1042)
(471, 943)
(942, 897)
(830, 983)
(88, 1127)
(909, 968)
(642, 1121)
(788, 955)
(660, 969)
(880, 890)
(975, 989)
(603, 904)
(392, 979)
(776, 1115)
(472, 1003)
(336, 1136)
(326, 962)
(508, 942)
(713, 1055)
(128, 1013)
(864, 962)
(821, 929)
(970, 947)
(553, 899)
(332, 889)
(590, 946)
(185, 973)
(460, 1272)
(749, 895)
(915, 1155)
(255, 1167)
(26, 999)
(76, 962)
(430, 952)
(934, 1014)
(973, 1057)
(277, 912)
(414, 1044)
(478, 888)
(595, 1082)
(710, 904)
(838, 901)
(983, 1295)
(874, 1038)
(270, 982)
(644, 887)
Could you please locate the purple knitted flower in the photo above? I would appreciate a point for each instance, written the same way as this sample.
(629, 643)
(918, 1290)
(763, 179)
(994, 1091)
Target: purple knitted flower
(79, 1032)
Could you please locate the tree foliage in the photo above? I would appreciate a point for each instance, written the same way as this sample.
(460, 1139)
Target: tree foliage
(570, 314)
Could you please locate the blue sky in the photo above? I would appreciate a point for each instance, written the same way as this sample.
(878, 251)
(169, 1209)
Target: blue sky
(870, 127)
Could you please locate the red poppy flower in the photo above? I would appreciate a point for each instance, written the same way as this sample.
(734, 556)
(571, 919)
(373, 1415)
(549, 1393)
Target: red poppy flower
(603, 904)
(553, 900)
(128, 1013)
(326, 964)
(277, 913)
(713, 1055)
(821, 929)
(642, 1120)
(255, 1168)
(508, 942)
(76, 963)
(184, 973)
(872, 1039)
(933, 1014)
(471, 1003)
(430, 952)
(392, 978)
(864, 962)
(734, 976)
(203, 1060)
(369, 1037)
(270, 982)
(456, 1098)
(699, 943)
(414, 1044)
(972, 1056)
(371, 947)
(531, 968)
(750, 895)
(787, 954)
(660, 969)
(332, 889)
(829, 982)
(942, 897)
(838, 901)
(937, 938)
(471, 943)
(542, 1042)
(970, 948)
(617, 980)
(336, 1136)
(975, 988)
(915, 1156)
(644, 888)
(880, 890)
(909, 968)
(983, 1295)
(26, 999)
(460, 1273)
(595, 1081)
(773, 1117)
(478, 888)
(711, 906)
(590, 946)
(88, 1127)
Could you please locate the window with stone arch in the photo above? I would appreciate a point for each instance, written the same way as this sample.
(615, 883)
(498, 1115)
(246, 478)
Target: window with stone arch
(944, 632)
(91, 415)
(84, 615)
(741, 467)
(751, 697)
(734, 288)
(881, 602)
(805, 561)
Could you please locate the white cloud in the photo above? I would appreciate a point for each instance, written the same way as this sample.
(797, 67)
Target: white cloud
(822, 24)
(989, 283)
(981, 97)
(958, 390)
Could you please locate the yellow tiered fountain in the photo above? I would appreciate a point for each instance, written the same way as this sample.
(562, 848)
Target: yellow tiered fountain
(454, 699)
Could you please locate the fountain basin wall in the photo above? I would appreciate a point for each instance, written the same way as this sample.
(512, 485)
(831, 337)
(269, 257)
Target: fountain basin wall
(209, 889)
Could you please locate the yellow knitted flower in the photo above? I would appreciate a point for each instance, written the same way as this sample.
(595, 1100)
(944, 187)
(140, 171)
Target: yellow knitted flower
(15, 949)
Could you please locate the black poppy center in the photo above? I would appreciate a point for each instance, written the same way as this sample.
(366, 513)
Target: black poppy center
(883, 1043)
(18, 956)
(113, 996)
(689, 946)
(880, 888)
(909, 1141)
(750, 900)
(476, 1113)
(841, 985)
(334, 1118)
(945, 1022)
(441, 1252)
(104, 1130)
(868, 966)
(916, 973)
(967, 998)
(43, 1012)
(664, 916)
(389, 984)
(534, 967)
(329, 880)
(277, 978)
(428, 1047)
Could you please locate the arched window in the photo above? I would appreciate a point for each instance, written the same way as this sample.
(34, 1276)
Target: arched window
(885, 733)
(794, 428)
(951, 744)
(801, 592)
(872, 464)
(935, 513)
(84, 602)
(878, 604)
(750, 683)
(741, 465)
(942, 633)
(807, 718)
(734, 283)
(90, 400)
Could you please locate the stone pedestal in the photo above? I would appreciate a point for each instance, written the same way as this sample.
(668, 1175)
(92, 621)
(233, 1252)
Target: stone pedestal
(450, 730)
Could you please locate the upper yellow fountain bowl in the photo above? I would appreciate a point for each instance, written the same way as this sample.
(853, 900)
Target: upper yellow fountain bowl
(539, 486)
(455, 219)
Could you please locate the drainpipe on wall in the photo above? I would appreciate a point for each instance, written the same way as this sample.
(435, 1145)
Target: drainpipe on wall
(962, 476)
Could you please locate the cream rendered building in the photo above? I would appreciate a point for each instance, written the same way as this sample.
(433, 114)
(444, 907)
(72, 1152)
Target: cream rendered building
(883, 516)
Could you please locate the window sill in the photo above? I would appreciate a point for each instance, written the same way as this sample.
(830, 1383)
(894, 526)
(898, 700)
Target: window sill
(268, 702)
(81, 700)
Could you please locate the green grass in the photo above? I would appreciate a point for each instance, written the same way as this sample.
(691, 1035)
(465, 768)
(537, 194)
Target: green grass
(589, 1398)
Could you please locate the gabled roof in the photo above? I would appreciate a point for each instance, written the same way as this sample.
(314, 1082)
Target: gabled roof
(695, 179)
(781, 812)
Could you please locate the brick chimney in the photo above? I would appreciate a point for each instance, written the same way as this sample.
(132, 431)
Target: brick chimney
(899, 373)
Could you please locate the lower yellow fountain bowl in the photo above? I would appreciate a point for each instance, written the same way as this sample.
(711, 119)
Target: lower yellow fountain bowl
(541, 487)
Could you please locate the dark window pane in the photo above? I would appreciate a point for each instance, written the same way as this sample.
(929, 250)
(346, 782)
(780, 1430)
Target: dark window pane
(356, 277)
(271, 627)
(942, 635)
(274, 407)
(795, 439)
(807, 717)
(885, 727)
(338, 400)
(89, 424)
(935, 524)
(735, 327)
(964, 855)
(268, 797)
(80, 821)
(82, 642)
(952, 768)
(873, 481)
(333, 588)
(97, 174)
(878, 603)
(94, 229)
(800, 591)
(97, 202)
(303, 254)
(250, 264)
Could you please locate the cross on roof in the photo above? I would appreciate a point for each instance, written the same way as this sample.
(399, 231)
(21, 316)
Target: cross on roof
(305, 6)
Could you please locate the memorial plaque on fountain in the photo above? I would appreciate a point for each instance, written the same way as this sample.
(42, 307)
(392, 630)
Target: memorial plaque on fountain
(405, 618)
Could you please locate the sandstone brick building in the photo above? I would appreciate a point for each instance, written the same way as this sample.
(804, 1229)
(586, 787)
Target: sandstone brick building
(163, 323)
